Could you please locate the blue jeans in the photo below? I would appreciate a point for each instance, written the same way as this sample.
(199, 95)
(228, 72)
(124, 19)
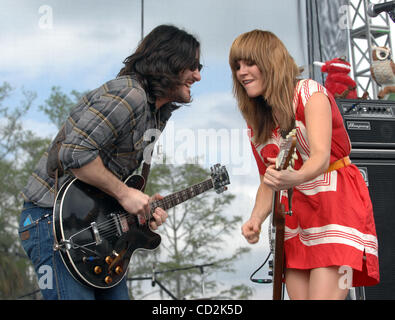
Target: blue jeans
(54, 280)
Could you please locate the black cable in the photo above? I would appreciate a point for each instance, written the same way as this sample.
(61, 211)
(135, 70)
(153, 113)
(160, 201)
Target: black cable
(261, 280)
(28, 294)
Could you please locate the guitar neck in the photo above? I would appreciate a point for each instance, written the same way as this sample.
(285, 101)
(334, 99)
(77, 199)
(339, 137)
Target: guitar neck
(176, 198)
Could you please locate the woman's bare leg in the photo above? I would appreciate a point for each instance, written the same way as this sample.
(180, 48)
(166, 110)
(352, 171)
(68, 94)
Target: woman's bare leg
(297, 283)
(326, 284)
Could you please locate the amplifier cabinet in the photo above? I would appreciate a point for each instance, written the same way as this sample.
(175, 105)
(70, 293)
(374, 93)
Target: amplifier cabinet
(369, 123)
(378, 169)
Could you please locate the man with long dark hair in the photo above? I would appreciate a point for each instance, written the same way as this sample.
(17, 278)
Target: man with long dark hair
(102, 142)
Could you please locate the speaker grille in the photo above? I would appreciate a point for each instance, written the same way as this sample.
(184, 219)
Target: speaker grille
(378, 133)
(380, 177)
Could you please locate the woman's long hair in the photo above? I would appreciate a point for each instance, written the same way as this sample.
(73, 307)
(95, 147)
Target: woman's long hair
(279, 72)
(160, 57)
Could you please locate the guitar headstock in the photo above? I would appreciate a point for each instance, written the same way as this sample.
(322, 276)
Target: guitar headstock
(287, 155)
(220, 178)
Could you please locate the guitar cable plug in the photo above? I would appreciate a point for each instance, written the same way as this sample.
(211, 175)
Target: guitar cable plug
(265, 281)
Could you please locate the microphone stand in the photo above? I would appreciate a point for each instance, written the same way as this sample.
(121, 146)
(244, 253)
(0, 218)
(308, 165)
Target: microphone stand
(202, 273)
(154, 279)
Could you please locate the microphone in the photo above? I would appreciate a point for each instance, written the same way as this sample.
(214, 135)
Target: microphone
(375, 9)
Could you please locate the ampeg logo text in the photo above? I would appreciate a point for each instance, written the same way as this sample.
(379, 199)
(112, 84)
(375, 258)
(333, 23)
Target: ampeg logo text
(358, 125)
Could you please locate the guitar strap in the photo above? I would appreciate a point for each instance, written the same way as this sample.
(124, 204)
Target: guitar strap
(290, 193)
(54, 166)
(147, 164)
(144, 173)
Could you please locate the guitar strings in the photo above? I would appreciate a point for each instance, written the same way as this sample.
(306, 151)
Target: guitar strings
(111, 227)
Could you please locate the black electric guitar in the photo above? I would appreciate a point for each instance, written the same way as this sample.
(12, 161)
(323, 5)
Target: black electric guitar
(96, 237)
(285, 158)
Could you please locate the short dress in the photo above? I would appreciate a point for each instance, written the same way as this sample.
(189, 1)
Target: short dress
(332, 222)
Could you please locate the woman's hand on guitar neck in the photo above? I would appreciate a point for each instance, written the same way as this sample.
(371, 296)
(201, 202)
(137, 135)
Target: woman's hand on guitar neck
(281, 180)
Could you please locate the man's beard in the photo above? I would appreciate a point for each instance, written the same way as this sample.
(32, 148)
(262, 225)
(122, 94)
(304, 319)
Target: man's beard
(177, 96)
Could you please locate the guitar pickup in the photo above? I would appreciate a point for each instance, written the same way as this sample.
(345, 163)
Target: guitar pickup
(121, 223)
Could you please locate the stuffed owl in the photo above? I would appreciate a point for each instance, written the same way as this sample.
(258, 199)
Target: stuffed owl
(382, 71)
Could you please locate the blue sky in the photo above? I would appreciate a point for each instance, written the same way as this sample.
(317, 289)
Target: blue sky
(81, 44)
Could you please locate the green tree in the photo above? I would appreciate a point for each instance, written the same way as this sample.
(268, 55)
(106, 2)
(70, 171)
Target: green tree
(58, 105)
(193, 235)
(19, 149)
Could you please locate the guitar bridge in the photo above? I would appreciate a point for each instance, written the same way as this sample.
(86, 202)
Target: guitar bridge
(96, 234)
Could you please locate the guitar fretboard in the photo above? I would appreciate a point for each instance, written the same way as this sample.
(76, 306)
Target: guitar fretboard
(286, 146)
(176, 198)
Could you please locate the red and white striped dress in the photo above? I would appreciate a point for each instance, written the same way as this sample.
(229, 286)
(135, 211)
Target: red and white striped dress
(332, 222)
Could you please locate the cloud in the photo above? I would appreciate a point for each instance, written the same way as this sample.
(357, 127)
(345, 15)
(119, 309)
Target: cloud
(77, 38)
(60, 52)
(40, 128)
(218, 23)
(61, 37)
(210, 131)
(210, 110)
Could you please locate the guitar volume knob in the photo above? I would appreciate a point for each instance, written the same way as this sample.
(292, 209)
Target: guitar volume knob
(97, 270)
(108, 260)
(118, 270)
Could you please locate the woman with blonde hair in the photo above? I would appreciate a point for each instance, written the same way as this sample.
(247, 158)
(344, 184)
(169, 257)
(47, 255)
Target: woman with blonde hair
(332, 227)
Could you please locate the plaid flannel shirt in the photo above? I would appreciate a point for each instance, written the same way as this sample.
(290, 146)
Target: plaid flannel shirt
(109, 121)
